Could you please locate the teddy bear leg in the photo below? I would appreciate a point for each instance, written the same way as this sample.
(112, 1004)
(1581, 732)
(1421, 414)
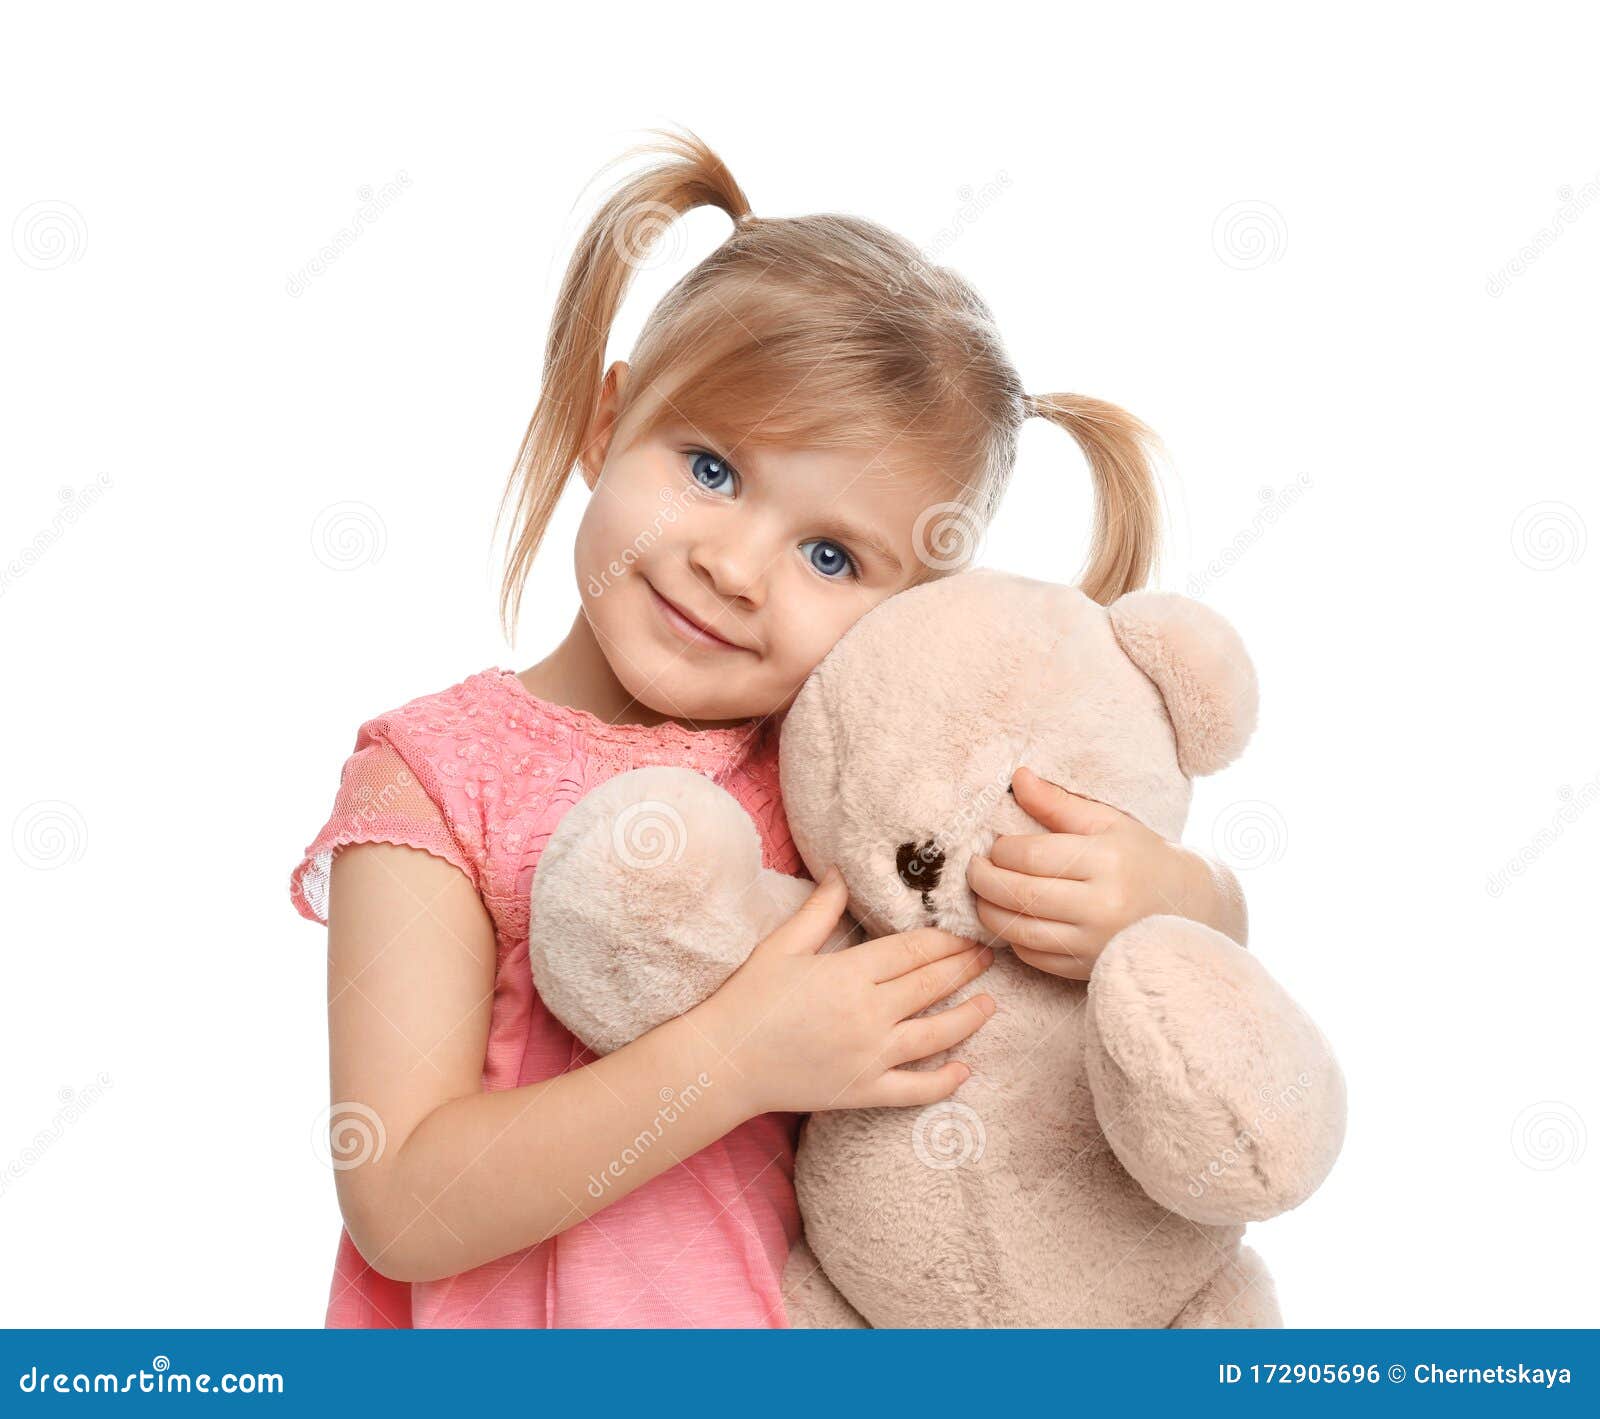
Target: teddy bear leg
(813, 1301)
(1215, 1090)
(1240, 1296)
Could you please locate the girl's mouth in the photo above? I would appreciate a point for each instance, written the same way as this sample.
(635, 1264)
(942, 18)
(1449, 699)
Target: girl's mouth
(689, 629)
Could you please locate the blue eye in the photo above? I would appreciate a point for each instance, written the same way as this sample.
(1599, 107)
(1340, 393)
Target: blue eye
(829, 558)
(710, 472)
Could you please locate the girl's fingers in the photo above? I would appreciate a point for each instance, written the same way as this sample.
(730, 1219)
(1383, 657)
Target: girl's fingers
(1071, 855)
(917, 1039)
(916, 990)
(1050, 897)
(1019, 929)
(900, 1088)
(892, 956)
(1059, 809)
(1069, 967)
(810, 927)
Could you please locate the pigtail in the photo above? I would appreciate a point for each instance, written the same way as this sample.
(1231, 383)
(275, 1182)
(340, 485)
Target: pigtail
(616, 242)
(1127, 520)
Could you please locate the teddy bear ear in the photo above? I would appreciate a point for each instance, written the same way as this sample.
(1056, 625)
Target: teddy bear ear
(1201, 668)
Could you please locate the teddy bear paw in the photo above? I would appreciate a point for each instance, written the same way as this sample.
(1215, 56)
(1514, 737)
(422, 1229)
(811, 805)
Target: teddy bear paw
(1216, 1091)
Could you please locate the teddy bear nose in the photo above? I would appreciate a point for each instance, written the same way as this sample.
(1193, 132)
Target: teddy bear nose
(919, 866)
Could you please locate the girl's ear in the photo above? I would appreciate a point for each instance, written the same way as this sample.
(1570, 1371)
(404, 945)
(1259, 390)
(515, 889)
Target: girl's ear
(597, 441)
(1200, 666)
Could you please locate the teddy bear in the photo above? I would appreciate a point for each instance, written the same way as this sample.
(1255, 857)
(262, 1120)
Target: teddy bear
(1101, 1162)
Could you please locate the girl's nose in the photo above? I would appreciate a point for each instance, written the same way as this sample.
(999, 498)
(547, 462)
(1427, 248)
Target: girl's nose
(734, 567)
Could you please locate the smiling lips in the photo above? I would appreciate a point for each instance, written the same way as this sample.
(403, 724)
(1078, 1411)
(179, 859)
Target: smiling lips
(690, 629)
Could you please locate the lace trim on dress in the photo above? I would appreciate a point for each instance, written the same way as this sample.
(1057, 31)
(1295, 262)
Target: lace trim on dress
(711, 751)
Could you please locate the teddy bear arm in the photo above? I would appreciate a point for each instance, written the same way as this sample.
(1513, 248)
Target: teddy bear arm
(648, 896)
(1217, 1093)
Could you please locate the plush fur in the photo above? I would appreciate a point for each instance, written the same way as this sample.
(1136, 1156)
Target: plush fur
(1099, 1167)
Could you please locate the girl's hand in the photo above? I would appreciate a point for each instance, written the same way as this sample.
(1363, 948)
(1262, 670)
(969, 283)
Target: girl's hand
(804, 1031)
(1059, 897)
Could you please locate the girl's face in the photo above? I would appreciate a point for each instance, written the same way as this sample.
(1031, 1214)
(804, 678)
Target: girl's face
(714, 585)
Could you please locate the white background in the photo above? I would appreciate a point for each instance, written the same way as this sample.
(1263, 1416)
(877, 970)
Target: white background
(1326, 258)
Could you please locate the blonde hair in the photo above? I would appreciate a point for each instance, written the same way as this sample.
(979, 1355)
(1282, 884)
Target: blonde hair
(817, 331)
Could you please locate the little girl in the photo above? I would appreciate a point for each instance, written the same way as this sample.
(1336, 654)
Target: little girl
(805, 416)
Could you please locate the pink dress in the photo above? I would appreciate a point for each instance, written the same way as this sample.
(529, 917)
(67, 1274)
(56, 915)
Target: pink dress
(479, 775)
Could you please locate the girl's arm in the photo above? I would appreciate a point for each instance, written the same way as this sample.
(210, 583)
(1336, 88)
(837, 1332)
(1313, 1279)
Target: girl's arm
(452, 1176)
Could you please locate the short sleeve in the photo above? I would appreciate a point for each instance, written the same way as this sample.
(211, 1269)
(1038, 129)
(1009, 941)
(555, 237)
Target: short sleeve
(383, 797)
